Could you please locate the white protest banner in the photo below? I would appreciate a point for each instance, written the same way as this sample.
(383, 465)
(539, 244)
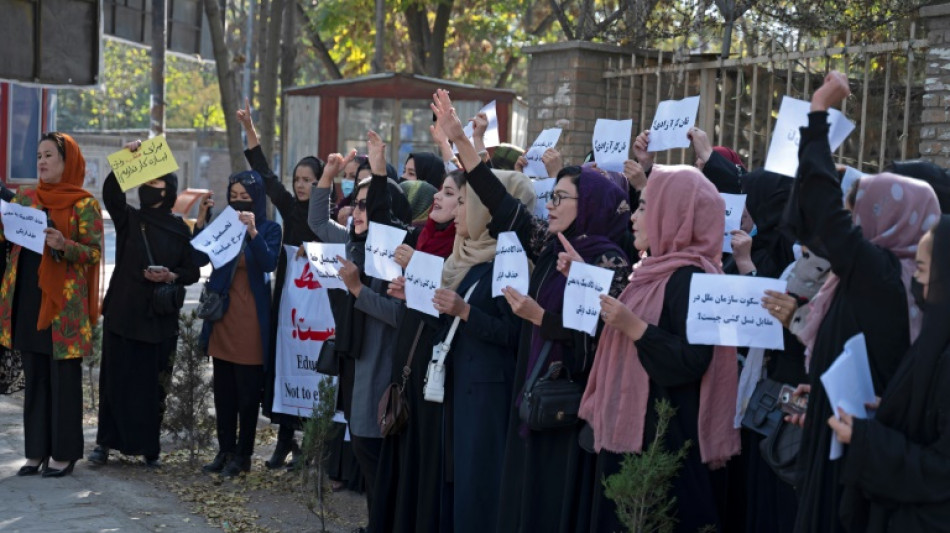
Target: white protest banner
(671, 122)
(849, 385)
(381, 243)
(782, 157)
(542, 188)
(735, 203)
(305, 321)
(727, 310)
(221, 239)
(585, 284)
(24, 226)
(152, 160)
(423, 277)
(511, 265)
(546, 139)
(491, 138)
(324, 267)
(612, 143)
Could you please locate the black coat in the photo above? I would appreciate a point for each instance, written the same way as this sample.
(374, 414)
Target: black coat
(127, 305)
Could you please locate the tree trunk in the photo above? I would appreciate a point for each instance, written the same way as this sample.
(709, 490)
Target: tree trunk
(379, 43)
(510, 65)
(267, 104)
(226, 84)
(288, 58)
(159, 34)
(333, 71)
(435, 64)
(417, 25)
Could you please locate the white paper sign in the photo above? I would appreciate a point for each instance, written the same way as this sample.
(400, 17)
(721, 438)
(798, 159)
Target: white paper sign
(612, 143)
(546, 139)
(585, 284)
(324, 267)
(24, 226)
(305, 322)
(423, 277)
(727, 310)
(491, 137)
(672, 121)
(542, 188)
(381, 246)
(221, 239)
(848, 384)
(735, 203)
(511, 265)
(792, 115)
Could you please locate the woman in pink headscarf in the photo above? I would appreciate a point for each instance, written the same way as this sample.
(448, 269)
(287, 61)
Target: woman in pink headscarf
(644, 355)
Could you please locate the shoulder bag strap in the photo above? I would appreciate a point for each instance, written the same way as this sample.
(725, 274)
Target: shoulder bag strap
(455, 325)
(538, 365)
(148, 249)
(406, 370)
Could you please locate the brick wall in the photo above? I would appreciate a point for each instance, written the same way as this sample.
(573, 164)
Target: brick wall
(935, 117)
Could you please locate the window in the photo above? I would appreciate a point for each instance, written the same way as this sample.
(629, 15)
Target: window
(25, 127)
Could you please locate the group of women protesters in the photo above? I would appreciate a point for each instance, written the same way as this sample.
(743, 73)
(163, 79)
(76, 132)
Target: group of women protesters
(873, 259)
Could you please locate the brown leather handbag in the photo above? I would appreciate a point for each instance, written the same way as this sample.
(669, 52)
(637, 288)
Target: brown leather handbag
(393, 411)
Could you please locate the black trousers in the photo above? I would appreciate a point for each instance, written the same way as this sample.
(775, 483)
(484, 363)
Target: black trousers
(52, 410)
(237, 401)
(366, 450)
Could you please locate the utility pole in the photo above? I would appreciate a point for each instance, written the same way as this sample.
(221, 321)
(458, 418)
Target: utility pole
(159, 40)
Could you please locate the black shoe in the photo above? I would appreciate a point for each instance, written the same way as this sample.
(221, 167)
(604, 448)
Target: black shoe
(281, 451)
(238, 464)
(219, 462)
(99, 456)
(59, 472)
(153, 462)
(32, 470)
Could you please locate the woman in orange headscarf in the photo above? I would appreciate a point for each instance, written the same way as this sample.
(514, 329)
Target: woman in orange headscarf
(49, 304)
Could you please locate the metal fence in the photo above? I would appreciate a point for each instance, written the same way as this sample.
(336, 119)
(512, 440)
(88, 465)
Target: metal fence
(740, 97)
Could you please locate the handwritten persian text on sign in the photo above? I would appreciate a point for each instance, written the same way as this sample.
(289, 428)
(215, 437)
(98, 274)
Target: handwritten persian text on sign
(672, 122)
(735, 204)
(24, 226)
(585, 284)
(491, 137)
(546, 139)
(152, 160)
(612, 143)
(511, 265)
(324, 266)
(727, 311)
(381, 243)
(221, 240)
(542, 188)
(423, 277)
(793, 115)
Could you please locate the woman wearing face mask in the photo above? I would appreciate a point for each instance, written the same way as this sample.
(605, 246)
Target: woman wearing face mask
(140, 337)
(366, 318)
(897, 471)
(49, 304)
(546, 481)
(293, 209)
(238, 342)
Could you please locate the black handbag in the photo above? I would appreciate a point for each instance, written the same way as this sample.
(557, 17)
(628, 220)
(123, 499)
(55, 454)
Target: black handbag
(328, 362)
(167, 298)
(764, 412)
(780, 451)
(213, 304)
(551, 401)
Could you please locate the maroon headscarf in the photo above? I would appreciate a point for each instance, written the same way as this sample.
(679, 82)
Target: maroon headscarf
(731, 155)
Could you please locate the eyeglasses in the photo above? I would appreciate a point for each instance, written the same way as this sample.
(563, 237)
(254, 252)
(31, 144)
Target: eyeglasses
(360, 205)
(557, 198)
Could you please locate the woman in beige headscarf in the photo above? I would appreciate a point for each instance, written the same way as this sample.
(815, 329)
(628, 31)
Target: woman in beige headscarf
(482, 360)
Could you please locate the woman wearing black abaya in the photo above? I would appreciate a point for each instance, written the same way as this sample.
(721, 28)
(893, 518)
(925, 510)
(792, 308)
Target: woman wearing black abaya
(138, 343)
(871, 254)
(897, 471)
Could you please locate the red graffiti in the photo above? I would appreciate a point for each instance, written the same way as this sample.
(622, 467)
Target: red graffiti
(308, 334)
(306, 279)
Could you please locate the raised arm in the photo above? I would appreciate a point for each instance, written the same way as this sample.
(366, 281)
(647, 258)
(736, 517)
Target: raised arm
(318, 215)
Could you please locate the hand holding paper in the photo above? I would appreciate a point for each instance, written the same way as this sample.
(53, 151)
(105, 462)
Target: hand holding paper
(672, 121)
(153, 159)
(612, 143)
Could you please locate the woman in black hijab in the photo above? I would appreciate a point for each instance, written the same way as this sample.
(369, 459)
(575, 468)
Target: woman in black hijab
(771, 249)
(897, 469)
(140, 333)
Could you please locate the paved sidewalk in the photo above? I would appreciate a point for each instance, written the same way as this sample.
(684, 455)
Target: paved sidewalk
(88, 500)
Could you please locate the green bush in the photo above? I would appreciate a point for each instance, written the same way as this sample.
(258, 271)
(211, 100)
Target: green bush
(187, 408)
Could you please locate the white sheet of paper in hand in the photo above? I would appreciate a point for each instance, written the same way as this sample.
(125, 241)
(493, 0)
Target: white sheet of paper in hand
(585, 284)
(546, 139)
(542, 189)
(381, 243)
(24, 226)
(727, 310)
(221, 239)
(324, 266)
(735, 203)
(423, 277)
(511, 265)
(782, 157)
(612, 143)
(491, 137)
(848, 384)
(672, 122)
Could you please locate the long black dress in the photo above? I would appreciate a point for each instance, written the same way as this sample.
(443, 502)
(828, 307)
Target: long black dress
(137, 345)
(870, 299)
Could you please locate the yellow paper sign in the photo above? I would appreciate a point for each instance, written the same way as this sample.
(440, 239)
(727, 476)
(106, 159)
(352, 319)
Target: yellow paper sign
(152, 160)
